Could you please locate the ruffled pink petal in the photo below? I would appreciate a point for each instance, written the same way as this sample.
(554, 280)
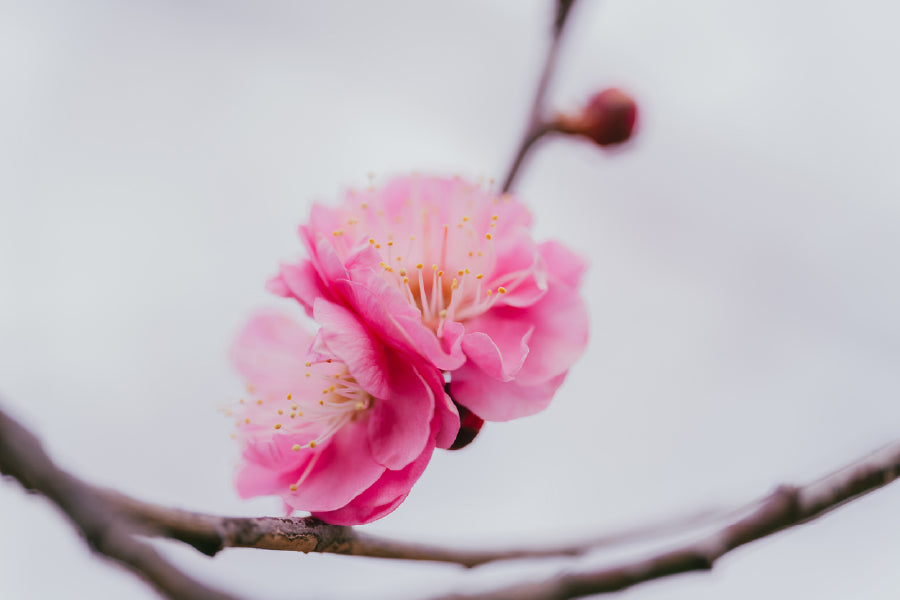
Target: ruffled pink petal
(383, 497)
(270, 466)
(494, 400)
(347, 338)
(519, 268)
(400, 421)
(301, 282)
(446, 416)
(560, 334)
(269, 352)
(498, 346)
(342, 469)
(562, 263)
(397, 322)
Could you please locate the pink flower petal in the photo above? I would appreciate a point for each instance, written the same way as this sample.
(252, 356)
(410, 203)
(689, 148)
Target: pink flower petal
(494, 400)
(498, 346)
(270, 352)
(342, 469)
(562, 263)
(383, 497)
(348, 339)
(520, 269)
(399, 423)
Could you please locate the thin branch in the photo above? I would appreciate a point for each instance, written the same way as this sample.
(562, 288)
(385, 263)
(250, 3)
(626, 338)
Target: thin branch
(106, 531)
(537, 126)
(786, 507)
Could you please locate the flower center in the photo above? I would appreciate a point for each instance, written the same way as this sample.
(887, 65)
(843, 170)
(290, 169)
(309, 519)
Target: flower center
(441, 256)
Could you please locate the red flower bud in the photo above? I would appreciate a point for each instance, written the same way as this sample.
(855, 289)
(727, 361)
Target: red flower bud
(608, 118)
(469, 426)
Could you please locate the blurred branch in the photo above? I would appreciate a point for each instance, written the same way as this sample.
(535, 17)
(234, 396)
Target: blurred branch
(113, 524)
(537, 126)
(786, 507)
(106, 531)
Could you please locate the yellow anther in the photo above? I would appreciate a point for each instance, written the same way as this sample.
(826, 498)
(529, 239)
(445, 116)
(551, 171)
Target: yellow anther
(378, 245)
(325, 391)
(494, 218)
(402, 272)
(440, 273)
(371, 240)
(259, 402)
(443, 313)
(293, 415)
(465, 219)
(246, 421)
(390, 243)
(501, 289)
(460, 272)
(471, 254)
(487, 236)
(489, 292)
(364, 205)
(293, 407)
(308, 375)
(280, 412)
(405, 280)
(293, 487)
(313, 444)
(288, 396)
(277, 425)
(308, 364)
(420, 266)
(241, 400)
(331, 389)
(321, 403)
(434, 267)
(296, 447)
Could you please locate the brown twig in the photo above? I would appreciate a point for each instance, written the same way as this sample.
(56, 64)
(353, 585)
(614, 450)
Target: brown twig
(786, 507)
(111, 523)
(538, 126)
(105, 530)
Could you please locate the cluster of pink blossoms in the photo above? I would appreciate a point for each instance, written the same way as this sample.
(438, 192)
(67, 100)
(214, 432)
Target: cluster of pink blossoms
(430, 295)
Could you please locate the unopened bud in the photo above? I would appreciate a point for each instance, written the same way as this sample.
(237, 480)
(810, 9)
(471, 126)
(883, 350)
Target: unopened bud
(607, 119)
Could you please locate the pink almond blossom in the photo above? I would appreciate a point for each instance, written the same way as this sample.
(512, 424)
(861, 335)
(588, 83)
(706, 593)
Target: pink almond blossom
(342, 430)
(449, 270)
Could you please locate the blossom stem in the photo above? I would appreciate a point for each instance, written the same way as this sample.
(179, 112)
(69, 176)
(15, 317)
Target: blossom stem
(537, 125)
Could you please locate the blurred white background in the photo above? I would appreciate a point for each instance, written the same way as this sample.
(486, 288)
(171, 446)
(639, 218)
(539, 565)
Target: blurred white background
(157, 156)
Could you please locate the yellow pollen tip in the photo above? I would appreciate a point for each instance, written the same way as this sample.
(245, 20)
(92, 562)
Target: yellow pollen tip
(364, 205)
(259, 402)
(487, 236)
(308, 364)
(378, 245)
(325, 391)
(390, 243)
(313, 444)
(246, 421)
(371, 240)
(434, 267)
(420, 266)
(471, 254)
(280, 412)
(501, 289)
(308, 375)
(293, 407)
(277, 425)
(288, 396)
(443, 313)
(331, 389)
(406, 280)
(321, 403)
(460, 272)
(402, 272)
(296, 447)
(293, 487)
(440, 273)
(241, 400)
(489, 292)
(494, 218)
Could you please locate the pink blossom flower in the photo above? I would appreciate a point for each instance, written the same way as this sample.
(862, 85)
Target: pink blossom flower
(343, 431)
(446, 269)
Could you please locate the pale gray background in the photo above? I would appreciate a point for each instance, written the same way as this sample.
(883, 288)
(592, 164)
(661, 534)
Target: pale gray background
(157, 156)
